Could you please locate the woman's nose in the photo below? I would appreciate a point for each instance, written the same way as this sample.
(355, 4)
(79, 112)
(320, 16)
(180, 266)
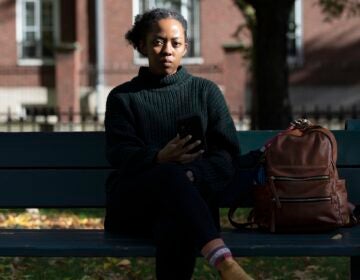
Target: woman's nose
(168, 48)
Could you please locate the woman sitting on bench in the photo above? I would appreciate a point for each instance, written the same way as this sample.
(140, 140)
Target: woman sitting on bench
(164, 186)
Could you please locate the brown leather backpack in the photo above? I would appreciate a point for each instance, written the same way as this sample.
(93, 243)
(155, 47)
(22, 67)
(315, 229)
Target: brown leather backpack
(302, 191)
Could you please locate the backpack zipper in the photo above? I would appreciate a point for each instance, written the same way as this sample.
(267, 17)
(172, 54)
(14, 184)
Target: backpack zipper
(312, 178)
(308, 199)
(278, 200)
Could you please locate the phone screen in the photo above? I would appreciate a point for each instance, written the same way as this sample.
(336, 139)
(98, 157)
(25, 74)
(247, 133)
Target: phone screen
(192, 125)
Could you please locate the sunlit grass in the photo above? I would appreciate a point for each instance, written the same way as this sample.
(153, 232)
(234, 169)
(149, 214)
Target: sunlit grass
(306, 268)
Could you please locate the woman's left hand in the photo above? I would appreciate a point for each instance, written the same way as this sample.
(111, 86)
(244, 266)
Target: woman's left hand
(190, 175)
(177, 151)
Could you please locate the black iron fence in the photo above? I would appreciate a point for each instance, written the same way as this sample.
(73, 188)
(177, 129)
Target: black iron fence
(327, 116)
(51, 119)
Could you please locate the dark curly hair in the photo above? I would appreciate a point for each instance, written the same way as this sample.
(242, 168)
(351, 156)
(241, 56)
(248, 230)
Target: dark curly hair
(143, 24)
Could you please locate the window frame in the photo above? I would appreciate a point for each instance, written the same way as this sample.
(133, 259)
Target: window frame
(20, 18)
(298, 59)
(138, 60)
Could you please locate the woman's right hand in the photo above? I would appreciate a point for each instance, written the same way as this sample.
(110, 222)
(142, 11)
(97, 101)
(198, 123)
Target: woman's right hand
(177, 151)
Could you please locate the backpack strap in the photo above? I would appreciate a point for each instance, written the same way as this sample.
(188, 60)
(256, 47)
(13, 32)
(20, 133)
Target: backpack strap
(237, 225)
(333, 143)
(231, 213)
(331, 138)
(354, 215)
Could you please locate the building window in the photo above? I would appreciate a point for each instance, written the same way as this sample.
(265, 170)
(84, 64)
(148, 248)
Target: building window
(295, 37)
(36, 30)
(190, 10)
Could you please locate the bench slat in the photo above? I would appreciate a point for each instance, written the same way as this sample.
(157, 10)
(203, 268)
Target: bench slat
(86, 149)
(94, 243)
(86, 188)
(255, 243)
(60, 149)
(352, 176)
(70, 242)
(52, 188)
(352, 124)
(348, 147)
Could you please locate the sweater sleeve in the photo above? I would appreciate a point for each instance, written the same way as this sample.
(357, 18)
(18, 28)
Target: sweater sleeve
(125, 150)
(216, 168)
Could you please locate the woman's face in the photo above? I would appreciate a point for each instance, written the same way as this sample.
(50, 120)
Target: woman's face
(164, 46)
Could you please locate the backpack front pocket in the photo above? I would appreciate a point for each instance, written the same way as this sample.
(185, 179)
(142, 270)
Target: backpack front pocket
(304, 203)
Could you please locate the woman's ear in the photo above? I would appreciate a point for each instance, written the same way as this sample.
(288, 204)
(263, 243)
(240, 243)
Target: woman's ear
(185, 49)
(142, 48)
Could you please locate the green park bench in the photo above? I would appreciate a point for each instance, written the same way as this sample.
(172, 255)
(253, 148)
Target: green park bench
(69, 169)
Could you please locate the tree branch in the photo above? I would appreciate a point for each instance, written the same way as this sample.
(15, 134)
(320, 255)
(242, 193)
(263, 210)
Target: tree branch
(253, 3)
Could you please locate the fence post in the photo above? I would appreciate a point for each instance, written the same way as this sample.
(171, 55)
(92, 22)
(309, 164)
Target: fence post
(33, 119)
(96, 119)
(316, 113)
(46, 126)
(328, 113)
(83, 120)
(341, 114)
(58, 118)
(71, 118)
(354, 112)
(9, 120)
(21, 123)
(303, 113)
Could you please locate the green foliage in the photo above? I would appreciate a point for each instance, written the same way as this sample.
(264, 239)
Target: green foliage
(80, 212)
(248, 27)
(248, 12)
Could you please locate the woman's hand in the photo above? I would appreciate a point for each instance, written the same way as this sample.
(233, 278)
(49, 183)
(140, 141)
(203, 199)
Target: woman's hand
(190, 175)
(177, 151)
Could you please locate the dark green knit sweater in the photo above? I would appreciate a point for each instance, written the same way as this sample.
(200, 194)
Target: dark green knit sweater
(141, 119)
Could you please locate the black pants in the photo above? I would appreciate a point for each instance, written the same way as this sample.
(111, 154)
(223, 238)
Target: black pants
(164, 204)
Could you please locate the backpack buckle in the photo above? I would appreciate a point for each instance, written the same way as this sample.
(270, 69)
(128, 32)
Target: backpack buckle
(301, 123)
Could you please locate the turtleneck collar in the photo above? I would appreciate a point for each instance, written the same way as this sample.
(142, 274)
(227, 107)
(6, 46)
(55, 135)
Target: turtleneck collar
(162, 81)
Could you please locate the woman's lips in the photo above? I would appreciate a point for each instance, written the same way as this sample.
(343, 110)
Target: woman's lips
(167, 61)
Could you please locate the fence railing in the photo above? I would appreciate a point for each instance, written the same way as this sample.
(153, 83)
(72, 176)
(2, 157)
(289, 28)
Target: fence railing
(50, 119)
(327, 116)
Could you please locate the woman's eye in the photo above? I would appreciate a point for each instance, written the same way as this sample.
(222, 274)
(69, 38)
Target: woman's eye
(158, 42)
(177, 44)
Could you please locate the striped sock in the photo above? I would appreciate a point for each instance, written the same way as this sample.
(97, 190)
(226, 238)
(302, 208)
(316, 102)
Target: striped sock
(216, 256)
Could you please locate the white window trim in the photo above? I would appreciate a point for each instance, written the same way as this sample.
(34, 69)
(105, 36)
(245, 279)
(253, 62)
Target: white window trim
(142, 61)
(298, 60)
(19, 36)
(34, 62)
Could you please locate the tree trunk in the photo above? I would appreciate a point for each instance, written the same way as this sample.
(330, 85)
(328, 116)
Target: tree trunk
(271, 105)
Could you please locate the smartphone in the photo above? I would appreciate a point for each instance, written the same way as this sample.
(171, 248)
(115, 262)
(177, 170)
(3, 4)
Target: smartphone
(192, 125)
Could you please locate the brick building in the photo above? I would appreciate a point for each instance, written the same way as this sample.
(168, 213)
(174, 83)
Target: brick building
(69, 54)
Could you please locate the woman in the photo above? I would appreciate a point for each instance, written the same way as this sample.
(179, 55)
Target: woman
(160, 187)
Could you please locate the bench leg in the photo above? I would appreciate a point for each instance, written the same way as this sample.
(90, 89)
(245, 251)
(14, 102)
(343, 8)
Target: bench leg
(355, 268)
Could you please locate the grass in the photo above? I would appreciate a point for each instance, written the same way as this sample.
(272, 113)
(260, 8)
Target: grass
(141, 269)
(308, 268)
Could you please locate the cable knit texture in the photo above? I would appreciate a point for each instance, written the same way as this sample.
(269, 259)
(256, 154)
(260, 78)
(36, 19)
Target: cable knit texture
(141, 119)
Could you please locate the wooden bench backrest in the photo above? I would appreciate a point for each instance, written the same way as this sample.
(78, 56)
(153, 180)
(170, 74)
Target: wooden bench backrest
(58, 170)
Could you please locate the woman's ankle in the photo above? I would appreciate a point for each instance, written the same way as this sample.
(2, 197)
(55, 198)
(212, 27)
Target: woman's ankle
(219, 256)
(211, 245)
(230, 269)
(226, 263)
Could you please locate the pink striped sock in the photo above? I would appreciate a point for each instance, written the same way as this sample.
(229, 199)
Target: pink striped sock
(216, 256)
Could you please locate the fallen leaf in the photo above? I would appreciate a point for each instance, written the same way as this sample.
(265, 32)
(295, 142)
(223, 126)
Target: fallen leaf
(337, 236)
(124, 262)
